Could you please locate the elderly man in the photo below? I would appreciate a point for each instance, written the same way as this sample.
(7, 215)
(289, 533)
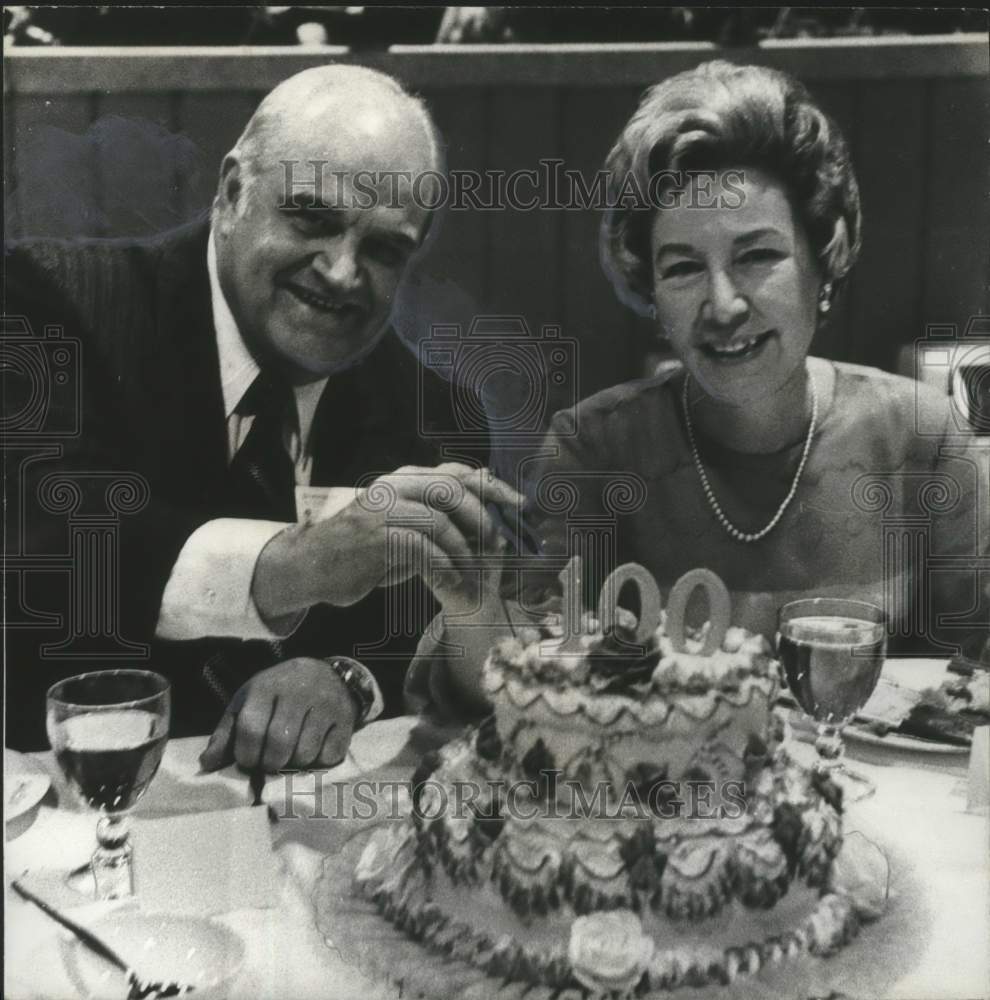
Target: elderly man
(238, 366)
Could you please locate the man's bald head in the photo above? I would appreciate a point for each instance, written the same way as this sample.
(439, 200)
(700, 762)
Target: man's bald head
(326, 100)
(311, 239)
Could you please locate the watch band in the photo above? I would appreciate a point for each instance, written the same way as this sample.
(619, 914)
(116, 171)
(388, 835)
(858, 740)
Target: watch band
(362, 687)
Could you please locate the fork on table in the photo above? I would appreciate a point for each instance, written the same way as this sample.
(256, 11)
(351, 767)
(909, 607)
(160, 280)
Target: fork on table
(139, 987)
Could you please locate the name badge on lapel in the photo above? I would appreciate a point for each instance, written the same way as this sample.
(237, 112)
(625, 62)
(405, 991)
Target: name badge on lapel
(317, 503)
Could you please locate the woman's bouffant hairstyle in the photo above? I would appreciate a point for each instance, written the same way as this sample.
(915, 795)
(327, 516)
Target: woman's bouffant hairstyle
(720, 116)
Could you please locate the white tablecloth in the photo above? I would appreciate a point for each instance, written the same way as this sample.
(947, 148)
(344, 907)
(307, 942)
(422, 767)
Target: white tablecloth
(918, 815)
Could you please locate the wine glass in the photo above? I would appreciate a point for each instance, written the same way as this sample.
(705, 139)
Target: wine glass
(832, 651)
(108, 730)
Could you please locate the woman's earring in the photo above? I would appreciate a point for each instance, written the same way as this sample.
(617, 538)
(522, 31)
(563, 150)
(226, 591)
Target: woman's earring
(825, 298)
(652, 312)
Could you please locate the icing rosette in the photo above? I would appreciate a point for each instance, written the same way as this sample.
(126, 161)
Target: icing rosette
(761, 869)
(492, 677)
(460, 848)
(821, 838)
(760, 798)
(861, 873)
(745, 961)
(381, 854)
(609, 952)
(734, 639)
(433, 800)
(399, 886)
(702, 965)
(790, 782)
(697, 879)
(832, 925)
(669, 968)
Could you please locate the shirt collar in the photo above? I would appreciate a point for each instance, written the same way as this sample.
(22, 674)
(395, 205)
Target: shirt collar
(238, 369)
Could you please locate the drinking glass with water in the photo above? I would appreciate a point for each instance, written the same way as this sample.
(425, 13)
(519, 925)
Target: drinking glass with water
(108, 730)
(832, 651)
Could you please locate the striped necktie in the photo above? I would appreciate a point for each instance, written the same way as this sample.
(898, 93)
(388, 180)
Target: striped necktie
(262, 476)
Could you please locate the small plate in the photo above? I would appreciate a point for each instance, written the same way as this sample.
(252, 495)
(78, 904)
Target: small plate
(896, 741)
(974, 655)
(25, 783)
(196, 951)
(803, 730)
(900, 686)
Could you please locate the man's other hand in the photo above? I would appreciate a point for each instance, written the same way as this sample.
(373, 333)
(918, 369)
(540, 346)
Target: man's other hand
(296, 714)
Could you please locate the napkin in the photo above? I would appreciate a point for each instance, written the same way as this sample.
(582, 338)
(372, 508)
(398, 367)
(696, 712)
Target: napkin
(205, 863)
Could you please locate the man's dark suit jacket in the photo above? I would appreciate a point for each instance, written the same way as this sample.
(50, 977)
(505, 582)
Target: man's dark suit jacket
(152, 404)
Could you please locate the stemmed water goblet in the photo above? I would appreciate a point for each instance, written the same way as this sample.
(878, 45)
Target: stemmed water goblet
(832, 651)
(108, 730)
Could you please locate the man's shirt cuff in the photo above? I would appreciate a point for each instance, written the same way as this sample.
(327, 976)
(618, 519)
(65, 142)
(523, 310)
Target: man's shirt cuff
(209, 591)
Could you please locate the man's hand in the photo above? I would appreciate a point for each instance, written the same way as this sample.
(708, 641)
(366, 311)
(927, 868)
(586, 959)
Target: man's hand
(296, 714)
(414, 521)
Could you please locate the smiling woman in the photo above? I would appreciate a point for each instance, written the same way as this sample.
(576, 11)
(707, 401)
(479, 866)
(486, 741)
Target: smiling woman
(756, 457)
(789, 476)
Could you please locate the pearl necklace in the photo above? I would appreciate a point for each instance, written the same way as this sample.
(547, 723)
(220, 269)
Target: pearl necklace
(742, 536)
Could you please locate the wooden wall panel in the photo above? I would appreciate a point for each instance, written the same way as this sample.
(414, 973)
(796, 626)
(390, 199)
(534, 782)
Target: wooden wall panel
(53, 180)
(591, 312)
(139, 158)
(226, 68)
(956, 261)
(915, 112)
(891, 161)
(211, 124)
(456, 262)
(11, 210)
(524, 244)
(151, 106)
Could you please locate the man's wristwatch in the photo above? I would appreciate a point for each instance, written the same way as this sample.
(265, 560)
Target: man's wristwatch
(362, 687)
